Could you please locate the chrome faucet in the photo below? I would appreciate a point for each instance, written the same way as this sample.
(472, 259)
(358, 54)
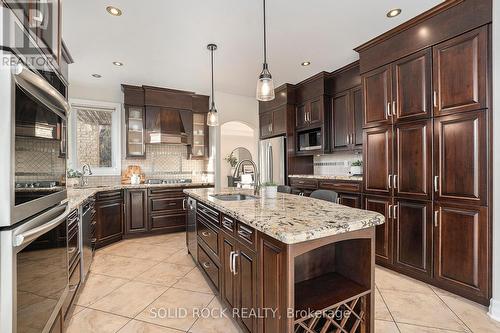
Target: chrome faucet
(85, 170)
(256, 184)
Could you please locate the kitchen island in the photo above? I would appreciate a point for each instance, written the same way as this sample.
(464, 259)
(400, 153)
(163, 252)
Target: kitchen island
(287, 263)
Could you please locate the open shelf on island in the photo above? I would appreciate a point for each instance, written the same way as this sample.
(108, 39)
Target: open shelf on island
(326, 290)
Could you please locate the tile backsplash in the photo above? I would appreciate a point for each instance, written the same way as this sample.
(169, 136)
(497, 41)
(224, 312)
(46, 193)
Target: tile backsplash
(337, 164)
(38, 160)
(164, 162)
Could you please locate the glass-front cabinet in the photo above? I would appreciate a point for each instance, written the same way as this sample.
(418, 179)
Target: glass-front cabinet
(199, 147)
(134, 122)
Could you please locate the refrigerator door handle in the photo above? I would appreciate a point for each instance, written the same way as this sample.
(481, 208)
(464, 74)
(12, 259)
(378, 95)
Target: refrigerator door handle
(271, 166)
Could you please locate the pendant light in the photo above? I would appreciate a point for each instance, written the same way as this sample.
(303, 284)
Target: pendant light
(213, 116)
(265, 85)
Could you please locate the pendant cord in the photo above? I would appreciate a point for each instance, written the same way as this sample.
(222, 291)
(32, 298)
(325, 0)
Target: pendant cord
(212, 61)
(265, 48)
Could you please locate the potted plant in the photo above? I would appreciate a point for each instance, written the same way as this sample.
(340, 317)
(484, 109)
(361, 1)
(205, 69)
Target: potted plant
(357, 168)
(269, 190)
(232, 160)
(73, 177)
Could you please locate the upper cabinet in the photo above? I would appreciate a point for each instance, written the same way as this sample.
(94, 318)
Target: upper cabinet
(275, 115)
(460, 67)
(347, 120)
(165, 116)
(377, 92)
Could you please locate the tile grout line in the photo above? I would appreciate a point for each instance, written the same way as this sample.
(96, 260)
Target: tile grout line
(190, 327)
(446, 304)
(387, 307)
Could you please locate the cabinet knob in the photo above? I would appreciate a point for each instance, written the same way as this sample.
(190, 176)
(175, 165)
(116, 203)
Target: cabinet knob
(205, 233)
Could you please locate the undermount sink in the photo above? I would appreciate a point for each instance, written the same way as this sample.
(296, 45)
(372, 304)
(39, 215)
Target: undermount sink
(233, 197)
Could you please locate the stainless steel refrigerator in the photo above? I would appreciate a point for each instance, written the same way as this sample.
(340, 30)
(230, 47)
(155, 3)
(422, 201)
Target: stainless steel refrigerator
(272, 162)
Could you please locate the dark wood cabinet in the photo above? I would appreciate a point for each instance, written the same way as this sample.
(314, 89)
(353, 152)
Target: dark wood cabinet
(109, 208)
(310, 113)
(462, 252)
(266, 124)
(461, 158)
(135, 119)
(383, 232)
(377, 96)
(272, 123)
(413, 160)
(460, 73)
(412, 86)
(167, 210)
(349, 199)
(229, 290)
(413, 236)
(347, 120)
(341, 125)
(200, 137)
(136, 211)
(245, 269)
(378, 160)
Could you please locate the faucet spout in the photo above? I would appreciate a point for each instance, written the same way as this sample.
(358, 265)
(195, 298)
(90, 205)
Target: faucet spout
(85, 170)
(256, 184)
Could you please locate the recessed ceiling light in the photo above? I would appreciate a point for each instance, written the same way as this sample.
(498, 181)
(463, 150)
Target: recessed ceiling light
(97, 76)
(114, 11)
(306, 63)
(393, 12)
(117, 63)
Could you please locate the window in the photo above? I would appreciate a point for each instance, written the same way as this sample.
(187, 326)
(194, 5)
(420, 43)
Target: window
(95, 136)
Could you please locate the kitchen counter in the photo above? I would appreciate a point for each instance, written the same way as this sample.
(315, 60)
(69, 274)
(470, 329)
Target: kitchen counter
(76, 196)
(290, 218)
(329, 177)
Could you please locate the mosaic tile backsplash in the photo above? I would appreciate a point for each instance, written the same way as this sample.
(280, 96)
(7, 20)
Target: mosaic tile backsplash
(337, 164)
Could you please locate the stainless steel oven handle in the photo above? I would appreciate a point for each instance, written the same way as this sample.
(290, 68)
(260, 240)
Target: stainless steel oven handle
(34, 233)
(43, 85)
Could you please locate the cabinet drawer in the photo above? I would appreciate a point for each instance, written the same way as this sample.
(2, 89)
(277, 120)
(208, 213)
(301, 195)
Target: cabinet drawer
(160, 204)
(209, 214)
(246, 234)
(208, 266)
(304, 183)
(167, 221)
(208, 234)
(166, 192)
(109, 195)
(228, 224)
(340, 186)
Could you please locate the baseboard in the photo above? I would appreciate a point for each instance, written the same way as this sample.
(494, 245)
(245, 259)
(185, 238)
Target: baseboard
(494, 311)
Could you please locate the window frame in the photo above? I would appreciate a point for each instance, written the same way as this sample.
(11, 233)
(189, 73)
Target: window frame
(116, 118)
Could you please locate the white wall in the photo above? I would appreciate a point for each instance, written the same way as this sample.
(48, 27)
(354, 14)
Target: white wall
(495, 301)
(231, 108)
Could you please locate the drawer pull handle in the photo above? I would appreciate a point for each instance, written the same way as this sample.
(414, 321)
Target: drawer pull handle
(227, 223)
(235, 254)
(231, 262)
(71, 250)
(206, 265)
(93, 240)
(205, 233)
(72, 288)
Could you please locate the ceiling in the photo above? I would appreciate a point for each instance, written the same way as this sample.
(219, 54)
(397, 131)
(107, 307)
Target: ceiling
(163, 42)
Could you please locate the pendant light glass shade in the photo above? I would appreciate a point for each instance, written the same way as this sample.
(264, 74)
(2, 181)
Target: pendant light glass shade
(213, 116)
(265, 86)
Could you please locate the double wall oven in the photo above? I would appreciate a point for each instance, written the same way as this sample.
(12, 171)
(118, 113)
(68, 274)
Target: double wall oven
(33, 202)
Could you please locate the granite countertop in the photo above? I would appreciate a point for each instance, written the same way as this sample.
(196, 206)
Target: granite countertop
(76, 196)
(329, 177)
(290, 218)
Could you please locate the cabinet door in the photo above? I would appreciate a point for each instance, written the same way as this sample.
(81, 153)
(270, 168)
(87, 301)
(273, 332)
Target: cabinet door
(378, 160)
(462, 249)
(413, 236)
(315, 112)
(229, 291)
(200, 146)
(341, 124)
(377, 96)
(109, 221)
(279, 121)
(351, 200)
(357, 115)
(301, 115)
(412, 86)
(461, 158)
(135, 118)
(136, 213)
(383, 232)
(265, 124)
(413, 160)
(246, 274)
(460, 73)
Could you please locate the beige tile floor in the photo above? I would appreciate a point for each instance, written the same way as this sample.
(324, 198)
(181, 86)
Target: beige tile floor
(133, 281)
